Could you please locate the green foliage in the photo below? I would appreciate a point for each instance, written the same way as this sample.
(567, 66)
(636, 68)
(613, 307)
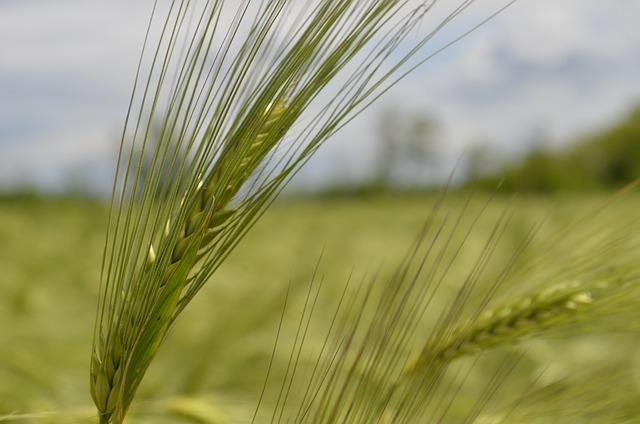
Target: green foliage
(603, 161)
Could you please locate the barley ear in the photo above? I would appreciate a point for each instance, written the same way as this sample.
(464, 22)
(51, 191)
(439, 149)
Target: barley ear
(556, 306)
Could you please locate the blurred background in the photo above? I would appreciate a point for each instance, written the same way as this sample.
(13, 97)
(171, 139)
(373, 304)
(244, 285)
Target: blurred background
(545, 82)
(543, 100)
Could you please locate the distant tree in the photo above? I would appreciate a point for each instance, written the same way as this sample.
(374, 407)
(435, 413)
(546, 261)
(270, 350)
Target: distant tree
(606, 159)
(480, 160)
(406, 139)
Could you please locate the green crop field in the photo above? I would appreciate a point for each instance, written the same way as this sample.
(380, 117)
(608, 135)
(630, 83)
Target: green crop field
(212, 366)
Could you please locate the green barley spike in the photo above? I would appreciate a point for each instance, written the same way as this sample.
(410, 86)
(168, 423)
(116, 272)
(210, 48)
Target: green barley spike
(528, 315)
(107, 385)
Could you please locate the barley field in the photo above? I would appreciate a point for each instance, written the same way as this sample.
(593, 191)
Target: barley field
(198, 294)
(212, 367)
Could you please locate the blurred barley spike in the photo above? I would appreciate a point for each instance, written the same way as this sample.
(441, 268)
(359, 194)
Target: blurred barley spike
(554, 307)
(245, 92)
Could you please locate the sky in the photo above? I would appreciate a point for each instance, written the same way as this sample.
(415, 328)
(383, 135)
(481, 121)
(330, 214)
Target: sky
(543, 71)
